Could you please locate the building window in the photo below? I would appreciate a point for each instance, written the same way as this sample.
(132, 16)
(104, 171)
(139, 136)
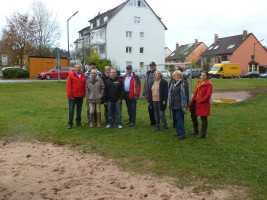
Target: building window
(137, 3)
(105, 18)
(141, 50)
(142, 35)
(128, 34)
(250, 68)
(129, 63)
(98, 22)
(231, 46)
(92, 25)
(141, 65)
(128, 49)
(137, 20)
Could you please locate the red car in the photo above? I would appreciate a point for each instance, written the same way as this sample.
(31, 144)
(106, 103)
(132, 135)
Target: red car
(53, 73)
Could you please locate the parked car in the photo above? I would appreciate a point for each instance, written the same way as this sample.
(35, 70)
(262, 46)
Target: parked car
(165, 73)
(253, 74)
(122, 73)
(4, 68)
(53, 73)
(263, 75)
(140, 72)
(196, 72)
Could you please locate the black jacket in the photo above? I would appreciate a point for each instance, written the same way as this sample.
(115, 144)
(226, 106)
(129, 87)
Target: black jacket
(176, 95)
(163, 93)
(114, 90)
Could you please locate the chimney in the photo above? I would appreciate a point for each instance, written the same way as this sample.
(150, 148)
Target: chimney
(98, 14)
(196, 43)
(245, 33)
(215, 37)
(177, 45)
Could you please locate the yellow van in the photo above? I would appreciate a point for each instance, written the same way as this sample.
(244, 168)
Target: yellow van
(224, 70)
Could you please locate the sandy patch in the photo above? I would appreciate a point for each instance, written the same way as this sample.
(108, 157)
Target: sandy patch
(239, 95)
(43, 171)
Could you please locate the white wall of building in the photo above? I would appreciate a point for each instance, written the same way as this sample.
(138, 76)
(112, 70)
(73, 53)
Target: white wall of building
(153, 42)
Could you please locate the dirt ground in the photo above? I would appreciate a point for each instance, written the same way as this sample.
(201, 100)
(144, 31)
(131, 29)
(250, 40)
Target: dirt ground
(239, 95)
(43, 171)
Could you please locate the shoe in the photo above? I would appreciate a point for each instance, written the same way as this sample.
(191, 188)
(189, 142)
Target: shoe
(165, 130)
(157, 129)
(79, 124)
(128, 122)
(70, 126)
(119, 126)
(108, 126)
(132, 124)
(181, 138)
(151, 124)
(194, 133)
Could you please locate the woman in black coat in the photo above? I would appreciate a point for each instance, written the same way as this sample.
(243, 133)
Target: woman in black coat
(158, 95)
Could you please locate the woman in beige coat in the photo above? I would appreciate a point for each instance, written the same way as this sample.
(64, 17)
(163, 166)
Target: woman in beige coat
(94, 89)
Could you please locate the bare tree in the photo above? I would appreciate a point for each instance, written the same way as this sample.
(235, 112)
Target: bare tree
(49, 31)
(19, 35)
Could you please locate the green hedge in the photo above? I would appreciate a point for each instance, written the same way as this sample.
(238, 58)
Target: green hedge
(15, 73)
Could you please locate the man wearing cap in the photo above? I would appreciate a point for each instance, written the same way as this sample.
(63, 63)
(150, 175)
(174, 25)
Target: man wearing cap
(87, 75)
(132, 86)
(75, 92)
(149, 79)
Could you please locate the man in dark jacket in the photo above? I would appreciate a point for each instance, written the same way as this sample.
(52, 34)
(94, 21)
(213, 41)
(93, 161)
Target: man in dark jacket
(114, 93)
(104, 78)
(149, 82)
(75, 92)
(132, 86)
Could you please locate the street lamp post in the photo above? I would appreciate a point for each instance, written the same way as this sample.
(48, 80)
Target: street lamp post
(68, 37)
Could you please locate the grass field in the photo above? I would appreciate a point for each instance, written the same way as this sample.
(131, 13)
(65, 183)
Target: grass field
(233, 154)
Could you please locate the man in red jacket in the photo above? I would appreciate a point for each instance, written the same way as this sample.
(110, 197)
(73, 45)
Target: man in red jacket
(75, 92)
(132, 86)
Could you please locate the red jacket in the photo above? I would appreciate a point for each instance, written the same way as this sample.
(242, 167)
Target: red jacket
(135, 86)
(76, 85)
(203, 99)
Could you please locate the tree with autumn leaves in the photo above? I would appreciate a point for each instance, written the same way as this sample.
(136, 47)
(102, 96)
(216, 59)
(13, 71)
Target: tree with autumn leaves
(36, 34)
(19, 36)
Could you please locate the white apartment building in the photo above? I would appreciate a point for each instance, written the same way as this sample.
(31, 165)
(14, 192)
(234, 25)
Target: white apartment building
(130, 33)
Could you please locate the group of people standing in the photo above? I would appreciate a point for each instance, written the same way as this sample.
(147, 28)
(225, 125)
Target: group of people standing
(110, 90)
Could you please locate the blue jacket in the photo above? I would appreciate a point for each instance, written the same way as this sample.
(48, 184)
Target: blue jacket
(87, 74)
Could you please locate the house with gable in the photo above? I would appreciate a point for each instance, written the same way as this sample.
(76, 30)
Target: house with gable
(129, 34)
(187, 53)
(237, 49)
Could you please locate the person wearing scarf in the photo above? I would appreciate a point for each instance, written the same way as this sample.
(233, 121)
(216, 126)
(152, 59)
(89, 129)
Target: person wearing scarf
(200, 104)
(178, 100)
(158, 95)
(94, 89)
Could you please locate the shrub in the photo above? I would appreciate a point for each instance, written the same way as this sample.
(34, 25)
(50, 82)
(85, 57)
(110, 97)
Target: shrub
(15, 73)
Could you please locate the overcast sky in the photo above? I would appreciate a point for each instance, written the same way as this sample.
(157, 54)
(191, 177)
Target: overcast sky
(185, 20)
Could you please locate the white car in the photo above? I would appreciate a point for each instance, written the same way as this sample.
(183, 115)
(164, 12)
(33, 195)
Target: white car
(165, 73)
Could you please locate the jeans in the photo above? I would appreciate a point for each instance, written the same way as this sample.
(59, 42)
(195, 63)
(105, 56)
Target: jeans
(131, 107)
(114, 106)
(179, 122)
(159, 115)
(72, 102)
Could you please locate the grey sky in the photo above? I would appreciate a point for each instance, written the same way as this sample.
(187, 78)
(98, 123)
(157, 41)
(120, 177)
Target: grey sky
(185, 20)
